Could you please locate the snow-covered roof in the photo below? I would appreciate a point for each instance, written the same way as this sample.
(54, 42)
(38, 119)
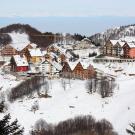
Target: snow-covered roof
(131, 45)
(85, 65)
(114, 42)
(128, 39)
(33, 45)
(20, 60)
(72, 65)
(62, 50)
(56, 65)
(86, 39)
(35, 52)
(19, 40)
(121, 43)
(53, 55)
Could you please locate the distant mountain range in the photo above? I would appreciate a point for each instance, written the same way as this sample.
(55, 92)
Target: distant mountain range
(114, 33)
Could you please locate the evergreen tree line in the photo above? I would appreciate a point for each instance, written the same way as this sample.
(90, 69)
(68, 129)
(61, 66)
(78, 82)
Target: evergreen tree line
(92, 54)
(26, 88)
(103, 85)
(10, 128)
(81, 125)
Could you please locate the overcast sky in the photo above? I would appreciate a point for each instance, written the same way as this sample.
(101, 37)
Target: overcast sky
(32, 8)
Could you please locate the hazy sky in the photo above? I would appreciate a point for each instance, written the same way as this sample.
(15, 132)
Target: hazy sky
(31, 8)
(73, 16)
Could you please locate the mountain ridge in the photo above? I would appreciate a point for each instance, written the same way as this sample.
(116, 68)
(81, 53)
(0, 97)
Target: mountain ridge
(113, 33)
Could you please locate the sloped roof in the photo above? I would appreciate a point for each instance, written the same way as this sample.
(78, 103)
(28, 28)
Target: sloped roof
(121, 43)
(84, 65)
(35, 52)
(128, 39)
(20, 60)
(131, 45)
(72, 64)
(114, 42)
(55, 64)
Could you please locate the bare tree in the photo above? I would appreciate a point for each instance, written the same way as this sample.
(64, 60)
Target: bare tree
(81, 125)
(91, 85)
(106, 86)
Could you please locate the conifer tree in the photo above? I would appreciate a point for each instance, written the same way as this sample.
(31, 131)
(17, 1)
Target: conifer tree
(2, 106)
(131, 131)
(10, 128)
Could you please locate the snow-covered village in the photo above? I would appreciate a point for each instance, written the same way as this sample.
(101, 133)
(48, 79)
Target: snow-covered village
(67, 71)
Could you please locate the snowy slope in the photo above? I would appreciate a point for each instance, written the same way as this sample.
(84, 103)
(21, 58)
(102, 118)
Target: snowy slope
(19, 40)
(57, 108)
(119, 109)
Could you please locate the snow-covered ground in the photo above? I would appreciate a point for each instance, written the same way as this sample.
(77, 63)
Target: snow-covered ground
(7, 82)
(118, 109)
(75, 100)
(84, 53)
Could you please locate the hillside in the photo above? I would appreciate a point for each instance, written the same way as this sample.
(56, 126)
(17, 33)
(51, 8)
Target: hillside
(34, 35)
(113, 33)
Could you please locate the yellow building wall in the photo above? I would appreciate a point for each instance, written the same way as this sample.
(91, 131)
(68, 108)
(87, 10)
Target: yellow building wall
(35, 59)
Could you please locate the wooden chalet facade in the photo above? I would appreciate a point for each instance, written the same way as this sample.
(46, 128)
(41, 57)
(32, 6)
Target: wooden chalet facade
(79, 71)
(114, 48)
(126, 49)
(117, 48)
(66, 71)
(24, 50)
(34, 55)
(108, 48)
(8, 50)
